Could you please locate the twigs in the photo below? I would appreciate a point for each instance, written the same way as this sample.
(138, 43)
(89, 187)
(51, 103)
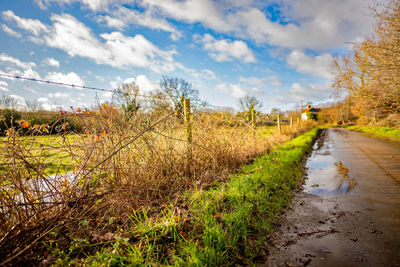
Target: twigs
(117, 169)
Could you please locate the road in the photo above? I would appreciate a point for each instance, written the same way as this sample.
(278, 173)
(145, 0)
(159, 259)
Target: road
(348, 212)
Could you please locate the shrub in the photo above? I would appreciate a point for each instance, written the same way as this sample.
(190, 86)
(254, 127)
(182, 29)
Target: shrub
(8, 119)
(312, 116)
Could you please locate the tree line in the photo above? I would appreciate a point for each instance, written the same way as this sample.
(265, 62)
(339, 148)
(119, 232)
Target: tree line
(369, 76)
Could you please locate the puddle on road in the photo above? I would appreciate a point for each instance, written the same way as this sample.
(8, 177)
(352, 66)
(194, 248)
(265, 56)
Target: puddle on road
(326, 175)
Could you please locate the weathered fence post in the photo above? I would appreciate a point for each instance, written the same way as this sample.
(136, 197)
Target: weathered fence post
(291, 120)
(188, 124)
(253, 118)
(253, 121)
(188, 133)
(279, 123)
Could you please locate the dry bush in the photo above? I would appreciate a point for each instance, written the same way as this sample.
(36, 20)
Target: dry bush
(115, 167)
(393, 120)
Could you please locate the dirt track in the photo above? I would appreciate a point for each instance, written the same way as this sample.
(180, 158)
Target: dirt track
(348, 213)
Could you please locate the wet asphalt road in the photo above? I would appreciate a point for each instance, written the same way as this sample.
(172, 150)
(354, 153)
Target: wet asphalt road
(348, 213)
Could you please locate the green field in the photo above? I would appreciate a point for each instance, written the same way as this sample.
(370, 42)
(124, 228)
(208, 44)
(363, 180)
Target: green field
(53, 153)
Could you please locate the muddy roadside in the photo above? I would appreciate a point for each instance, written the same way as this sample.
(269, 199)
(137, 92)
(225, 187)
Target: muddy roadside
(347, 212)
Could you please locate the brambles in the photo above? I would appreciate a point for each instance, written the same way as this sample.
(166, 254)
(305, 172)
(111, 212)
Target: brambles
(59, 191)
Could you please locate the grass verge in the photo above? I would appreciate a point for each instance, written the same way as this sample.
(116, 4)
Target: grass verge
(224, 225)
(393, 133)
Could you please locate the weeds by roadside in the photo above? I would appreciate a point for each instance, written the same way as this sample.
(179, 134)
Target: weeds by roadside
(379, 131)
(60, 193)
(225, 224)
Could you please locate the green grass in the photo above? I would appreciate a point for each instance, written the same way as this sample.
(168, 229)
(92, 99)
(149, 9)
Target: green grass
(49, 150)
(266, 130)
(378, 131)
(226, 224)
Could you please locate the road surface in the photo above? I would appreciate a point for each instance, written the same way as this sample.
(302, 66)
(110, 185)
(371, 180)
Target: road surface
(348, 213)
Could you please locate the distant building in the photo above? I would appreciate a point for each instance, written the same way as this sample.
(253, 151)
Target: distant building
(308, 109)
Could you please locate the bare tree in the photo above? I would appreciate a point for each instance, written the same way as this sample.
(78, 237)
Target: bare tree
(32, 105)
(129, 99)
(175, 90)
(249, 103)
(370, 75)
(8, 102)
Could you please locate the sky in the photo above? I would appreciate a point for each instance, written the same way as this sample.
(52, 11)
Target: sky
(278, 51)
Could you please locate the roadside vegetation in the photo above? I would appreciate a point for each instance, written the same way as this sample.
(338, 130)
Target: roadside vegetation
(79, 185)
(393, 133)
(224, 224)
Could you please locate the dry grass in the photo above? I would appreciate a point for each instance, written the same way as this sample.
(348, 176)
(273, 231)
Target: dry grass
(114, 168)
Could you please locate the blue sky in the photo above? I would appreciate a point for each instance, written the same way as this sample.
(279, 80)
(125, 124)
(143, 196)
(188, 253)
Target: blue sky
(279, 51)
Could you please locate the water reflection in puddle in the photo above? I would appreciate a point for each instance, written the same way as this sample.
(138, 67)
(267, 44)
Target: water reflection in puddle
(326, 175)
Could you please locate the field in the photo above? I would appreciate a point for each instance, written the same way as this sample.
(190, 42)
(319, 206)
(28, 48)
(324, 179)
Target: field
(71, 194)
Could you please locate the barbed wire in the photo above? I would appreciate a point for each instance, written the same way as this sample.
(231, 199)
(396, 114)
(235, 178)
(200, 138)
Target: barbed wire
(114, 91)
(56, 83)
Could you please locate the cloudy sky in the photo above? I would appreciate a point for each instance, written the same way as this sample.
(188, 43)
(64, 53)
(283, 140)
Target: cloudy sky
(277, 50)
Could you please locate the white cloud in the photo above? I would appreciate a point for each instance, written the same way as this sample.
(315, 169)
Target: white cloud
(313, 24)
(123, 17)
(45, 104)
(320, 65)
(69, 78)
(14, 66)
(233, 89)
(116, 83)
(137, 51)
(15, 61)
(10, 31)
(59, 95)
(42, 100)
(32, 25)
(302, 24)
(204, 11)
(145, 84)
(208, 74)
(51, 62)
(226, 50)
(3, 86)
(118, 50)
(314, 92)
(94, 5)
(113, 22)
(260, 82)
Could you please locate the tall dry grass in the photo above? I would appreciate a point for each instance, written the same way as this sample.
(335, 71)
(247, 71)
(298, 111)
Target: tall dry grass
(115, 167)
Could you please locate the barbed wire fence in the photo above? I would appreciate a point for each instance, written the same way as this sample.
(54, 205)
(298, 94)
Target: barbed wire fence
(187, 126)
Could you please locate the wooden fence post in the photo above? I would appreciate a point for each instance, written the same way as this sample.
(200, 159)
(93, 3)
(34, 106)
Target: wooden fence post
(253, 121)
(188, 133)
(253, 118)
(188, 124)
(279, 123)
(291, 121)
